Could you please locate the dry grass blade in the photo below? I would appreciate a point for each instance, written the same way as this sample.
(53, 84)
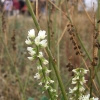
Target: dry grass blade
(86, 13)
(58, 8)
(89, 89)
(37, 9)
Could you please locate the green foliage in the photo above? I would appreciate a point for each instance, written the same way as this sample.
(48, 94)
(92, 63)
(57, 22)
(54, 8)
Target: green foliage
(44, 98)
(30, 98)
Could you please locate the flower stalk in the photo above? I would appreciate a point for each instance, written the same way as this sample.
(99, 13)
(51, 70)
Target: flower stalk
(39, 43)
(53, 63)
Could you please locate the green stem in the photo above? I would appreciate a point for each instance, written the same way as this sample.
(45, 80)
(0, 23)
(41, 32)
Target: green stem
(91, 83)
(55, 69)
(33, 15)
(57, 75)
(45, 78)
(43, 73)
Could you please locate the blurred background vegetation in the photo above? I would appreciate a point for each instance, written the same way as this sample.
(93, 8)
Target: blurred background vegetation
(16, 71)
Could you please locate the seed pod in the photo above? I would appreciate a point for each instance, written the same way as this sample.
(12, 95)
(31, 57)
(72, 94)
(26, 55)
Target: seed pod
(77, 53)
(72, 74)
(95, 52)
(70, 68)
(68, 65)
(98, 21)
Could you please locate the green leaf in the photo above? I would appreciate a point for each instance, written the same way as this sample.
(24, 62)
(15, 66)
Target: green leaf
(44, 98)
(30, 98)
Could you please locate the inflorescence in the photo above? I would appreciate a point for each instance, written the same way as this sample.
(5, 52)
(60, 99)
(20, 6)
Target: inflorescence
(78, 81)
(39, 42)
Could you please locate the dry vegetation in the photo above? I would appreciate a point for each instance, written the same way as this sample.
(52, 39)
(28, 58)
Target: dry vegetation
(16, 72)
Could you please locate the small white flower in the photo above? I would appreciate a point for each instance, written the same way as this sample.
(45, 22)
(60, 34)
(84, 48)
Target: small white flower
(39, 67)
(47, 82)
(48, 71)
(56, 95)
(85, 71)
(85, 97)
(31, 33)
(75, 88)
(30, 58)
(37, 41)
(37, 76)
(75, 78)
(41, 34)
(45, 62)
(81, 89)
(51, 81)
(95, 98)
(40, 83)
(51, 90)
(28, 41)
(43, 43)
(40, 55)
(32, 53)
(54, 90)
(74, 82)
(83, 81)
(71, 90)
(29, 49)
(46, 86)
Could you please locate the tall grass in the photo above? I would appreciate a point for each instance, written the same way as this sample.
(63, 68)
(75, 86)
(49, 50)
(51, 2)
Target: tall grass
(60, 50)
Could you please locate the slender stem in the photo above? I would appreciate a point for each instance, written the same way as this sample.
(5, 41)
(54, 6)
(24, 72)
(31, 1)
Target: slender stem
(45, 79)
(37, 9)
(33, 15)
(44, 73)
(91, 83)
(57, 75)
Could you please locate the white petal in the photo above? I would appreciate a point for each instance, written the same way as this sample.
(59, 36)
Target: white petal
(37, 41)
(31, 33)
(39, 67)
(45, 62)
(30, 58)
(40, 55)
(37, 76)
(29, 49)
(28, 42)
(48, 71)
(43, 43)
(41, 34)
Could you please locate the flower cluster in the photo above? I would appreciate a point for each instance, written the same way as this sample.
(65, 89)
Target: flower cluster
(87, 97)
(78, 81)
(39, 42)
